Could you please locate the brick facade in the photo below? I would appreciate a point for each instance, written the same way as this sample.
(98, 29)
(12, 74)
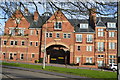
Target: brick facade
(31, 42)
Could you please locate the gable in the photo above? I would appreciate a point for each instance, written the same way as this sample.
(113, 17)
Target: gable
(58, 16)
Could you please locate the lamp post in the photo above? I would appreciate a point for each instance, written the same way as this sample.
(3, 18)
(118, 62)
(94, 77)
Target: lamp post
(44, 57)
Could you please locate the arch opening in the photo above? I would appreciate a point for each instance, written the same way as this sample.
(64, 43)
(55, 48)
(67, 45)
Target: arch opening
(58, 54)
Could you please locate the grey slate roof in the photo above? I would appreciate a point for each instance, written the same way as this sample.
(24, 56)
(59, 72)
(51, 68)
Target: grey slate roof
(75, 22)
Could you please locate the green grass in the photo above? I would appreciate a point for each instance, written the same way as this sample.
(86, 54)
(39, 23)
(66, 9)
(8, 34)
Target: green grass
(80, 72)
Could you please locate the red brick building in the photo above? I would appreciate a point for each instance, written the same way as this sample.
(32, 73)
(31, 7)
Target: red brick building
(85, 41)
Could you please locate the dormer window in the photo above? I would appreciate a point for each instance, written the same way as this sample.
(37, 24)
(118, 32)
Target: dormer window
(111, 25)
(58, 25)
(83, 26)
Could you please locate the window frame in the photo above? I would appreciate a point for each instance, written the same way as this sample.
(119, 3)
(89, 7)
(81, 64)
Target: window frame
(58, 24)
(78, 39)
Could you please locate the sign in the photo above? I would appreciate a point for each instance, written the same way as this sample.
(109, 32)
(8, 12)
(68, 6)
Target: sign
(60, 57)
(53, 58)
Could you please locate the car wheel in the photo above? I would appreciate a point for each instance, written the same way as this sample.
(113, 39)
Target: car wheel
(114, 69)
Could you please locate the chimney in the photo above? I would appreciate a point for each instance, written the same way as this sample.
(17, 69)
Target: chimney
(92, 17)
(26, 11)
(36, 15)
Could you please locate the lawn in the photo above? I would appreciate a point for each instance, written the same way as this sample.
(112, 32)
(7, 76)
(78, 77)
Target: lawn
(81, 72)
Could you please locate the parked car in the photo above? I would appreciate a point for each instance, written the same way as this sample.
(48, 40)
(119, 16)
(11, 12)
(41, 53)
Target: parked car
(113, 67)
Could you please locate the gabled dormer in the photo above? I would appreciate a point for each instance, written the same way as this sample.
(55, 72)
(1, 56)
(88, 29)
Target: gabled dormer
(111, 24)
(100, 23)
(83, 25)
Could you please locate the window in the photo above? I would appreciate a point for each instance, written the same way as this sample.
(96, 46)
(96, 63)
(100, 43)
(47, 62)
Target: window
(12, 32)
(69, 35)
(111, 56)
(78, 37)
(78, 48)
(57, 35)
(21, 56)
(111, 45)
(23, 43)
(100, 46)
(100, 32)
(33, 55)
(84, 26)
(111, 61)
(31, 32)
(89, 48)
(100, 56)
(111, 34)
(30, 43)
(111, 25)
(4, 55)
(21, 32)
(78, 59)
(11, 56)
(58, 25)
(66, 35)
(48, 34)
(89, 60)
(15, 42)
(12, 43)
(37, 32)
(89, 38)
(36, 44)
(5, 42)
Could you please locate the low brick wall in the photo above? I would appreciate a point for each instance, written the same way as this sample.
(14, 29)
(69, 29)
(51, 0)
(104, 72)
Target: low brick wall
(89, 66)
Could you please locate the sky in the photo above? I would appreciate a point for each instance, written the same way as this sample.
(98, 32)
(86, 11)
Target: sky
(41, 10)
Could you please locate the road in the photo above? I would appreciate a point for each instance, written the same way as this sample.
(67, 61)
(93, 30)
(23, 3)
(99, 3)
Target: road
(15, 74)
(18, 74)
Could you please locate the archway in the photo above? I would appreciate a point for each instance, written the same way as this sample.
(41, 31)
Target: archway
(58, 54)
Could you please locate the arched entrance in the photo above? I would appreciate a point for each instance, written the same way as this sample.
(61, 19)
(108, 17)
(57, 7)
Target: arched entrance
(58, 54)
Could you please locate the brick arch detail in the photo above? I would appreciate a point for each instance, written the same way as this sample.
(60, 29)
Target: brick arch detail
(57, 43)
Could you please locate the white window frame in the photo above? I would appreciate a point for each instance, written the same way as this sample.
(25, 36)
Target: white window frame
(32, 55)
(57, 35)
(112, 45)
(57, 28)
(89, 38)
(78, 60)
(21, 56)
(78, 48)
(30, 43)
(100, 32)
(88, 48)
(101, 56)
(12, 31)
(15, 41)
(21, 31)
(4, 42)
(31, 32)
(36, 43)
(83, 26)
(89, 59)
(79, 39)
(21, 43)
(11, 41)
(111, 34)
(100, 46)
(111, 25)
(48, 35)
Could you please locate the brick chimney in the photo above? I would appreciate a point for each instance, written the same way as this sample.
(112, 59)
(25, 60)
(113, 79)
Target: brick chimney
(92, 17)
(36, 15)
(26, 11)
